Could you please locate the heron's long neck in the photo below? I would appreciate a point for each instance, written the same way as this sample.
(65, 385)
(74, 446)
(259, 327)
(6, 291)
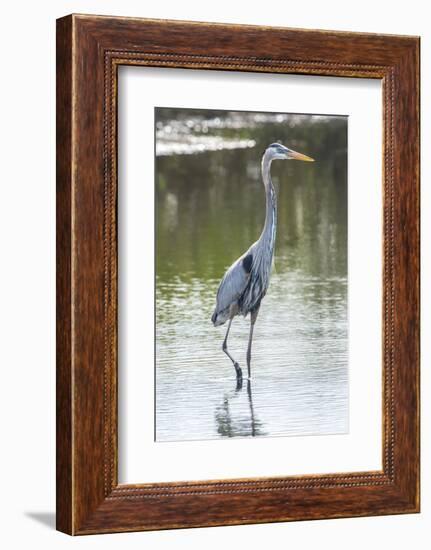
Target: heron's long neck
(270, 227)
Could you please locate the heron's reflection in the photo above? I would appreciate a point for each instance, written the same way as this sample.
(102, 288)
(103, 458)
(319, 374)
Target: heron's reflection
(235, 416)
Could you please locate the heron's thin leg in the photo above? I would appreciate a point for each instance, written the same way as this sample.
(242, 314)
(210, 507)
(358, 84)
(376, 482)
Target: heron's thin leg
(224, 347)
(253, 317)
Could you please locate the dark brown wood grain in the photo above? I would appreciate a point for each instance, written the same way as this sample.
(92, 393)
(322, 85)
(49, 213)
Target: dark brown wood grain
(64, 287)
(89, 51)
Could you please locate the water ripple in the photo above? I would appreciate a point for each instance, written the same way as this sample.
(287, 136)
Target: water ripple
(299, 370)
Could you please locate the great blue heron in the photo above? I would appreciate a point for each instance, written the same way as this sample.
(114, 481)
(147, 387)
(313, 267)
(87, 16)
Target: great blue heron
(246, 281)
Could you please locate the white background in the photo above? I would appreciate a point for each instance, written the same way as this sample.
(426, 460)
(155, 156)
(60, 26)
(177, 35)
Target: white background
(27, 273)
(141, 458)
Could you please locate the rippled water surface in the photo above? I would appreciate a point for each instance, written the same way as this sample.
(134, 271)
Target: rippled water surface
(210, 207)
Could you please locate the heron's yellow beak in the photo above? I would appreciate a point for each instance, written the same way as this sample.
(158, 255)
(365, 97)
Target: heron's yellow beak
(299, 156)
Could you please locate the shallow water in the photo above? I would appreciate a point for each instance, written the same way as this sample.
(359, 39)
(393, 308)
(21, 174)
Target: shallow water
(209, 209)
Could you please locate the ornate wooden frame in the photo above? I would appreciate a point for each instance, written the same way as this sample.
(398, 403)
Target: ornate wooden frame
(89, 51)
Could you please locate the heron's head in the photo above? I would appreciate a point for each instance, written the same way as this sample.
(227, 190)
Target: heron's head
(279, 151)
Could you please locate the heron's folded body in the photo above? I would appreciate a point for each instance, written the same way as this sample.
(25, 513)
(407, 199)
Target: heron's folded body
(243, 286)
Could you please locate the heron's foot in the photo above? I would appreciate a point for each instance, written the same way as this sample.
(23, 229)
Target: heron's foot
(238, 371)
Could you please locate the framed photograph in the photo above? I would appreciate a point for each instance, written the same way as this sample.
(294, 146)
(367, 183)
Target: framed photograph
(237, 274)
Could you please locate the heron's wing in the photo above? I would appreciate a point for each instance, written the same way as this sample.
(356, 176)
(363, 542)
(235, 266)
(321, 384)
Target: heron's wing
(234, 282)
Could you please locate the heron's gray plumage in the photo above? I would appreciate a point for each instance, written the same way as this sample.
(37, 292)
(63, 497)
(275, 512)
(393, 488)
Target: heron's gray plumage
(246, 281)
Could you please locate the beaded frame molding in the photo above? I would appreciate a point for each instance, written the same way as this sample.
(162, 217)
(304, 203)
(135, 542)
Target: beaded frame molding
(89, 51)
